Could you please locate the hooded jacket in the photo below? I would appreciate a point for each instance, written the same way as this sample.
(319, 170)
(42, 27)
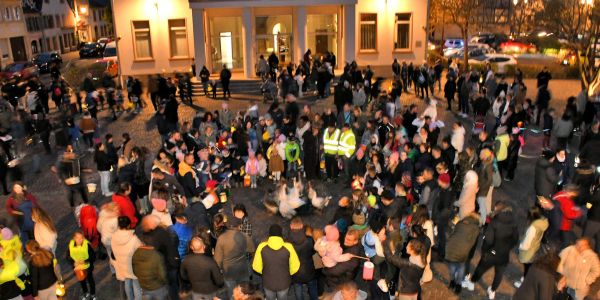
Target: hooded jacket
(304, 248)
(277, 261)
(545, 178)
(532, 240)
(500, 237)
(230, 254)
(462, 239)
(466, 201)
(126, 208)
(123, 245)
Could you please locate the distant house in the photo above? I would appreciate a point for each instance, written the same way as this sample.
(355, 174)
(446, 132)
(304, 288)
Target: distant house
(160, 36)
(13, 33)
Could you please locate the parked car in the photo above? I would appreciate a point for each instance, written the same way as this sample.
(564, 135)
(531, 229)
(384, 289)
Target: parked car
(501, 61)
(454, 43)
(110, 51)
(493, 40)
(517, 46)
(91, 49)
(45, 60)
(104, 40)
(24, 69)
(475, 49)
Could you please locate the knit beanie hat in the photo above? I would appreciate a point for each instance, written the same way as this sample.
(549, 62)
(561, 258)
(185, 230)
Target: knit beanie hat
(276, 230)
(331, 233)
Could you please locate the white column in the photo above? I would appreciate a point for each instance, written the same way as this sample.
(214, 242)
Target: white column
(248, 42)
(199, 40)
(349, 34)
(300, 37)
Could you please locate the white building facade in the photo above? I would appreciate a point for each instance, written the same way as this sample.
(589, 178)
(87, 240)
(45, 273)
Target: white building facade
(163, 36)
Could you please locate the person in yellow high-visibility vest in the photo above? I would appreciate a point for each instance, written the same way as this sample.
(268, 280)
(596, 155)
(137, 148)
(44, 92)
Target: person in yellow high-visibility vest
(331, 139)
(346, 147)
(81, 255)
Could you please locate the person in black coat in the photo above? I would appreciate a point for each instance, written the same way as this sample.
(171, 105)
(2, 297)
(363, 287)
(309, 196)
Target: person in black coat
(450, 91)
(225, 77)
(165, 242)
(541, 281)
(442, 211)
(346, 271)
(304, 247)
(171, 113)
(545, 176)
(310, 148)
(410, 270)
(500, 237)
(201, 271)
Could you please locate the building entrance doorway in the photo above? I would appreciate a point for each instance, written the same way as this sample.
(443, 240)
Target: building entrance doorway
(226, 49)
(17, 44)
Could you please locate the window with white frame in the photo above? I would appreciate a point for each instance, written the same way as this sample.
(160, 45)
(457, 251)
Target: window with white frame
(7, 14)
(403, 31)
(142, 40)
(178, 38)
(17, 13)
(368, 32)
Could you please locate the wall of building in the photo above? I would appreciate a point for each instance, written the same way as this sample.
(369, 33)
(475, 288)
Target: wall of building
(11, 27)
(159, 31)
(60, 37)
(386, 11)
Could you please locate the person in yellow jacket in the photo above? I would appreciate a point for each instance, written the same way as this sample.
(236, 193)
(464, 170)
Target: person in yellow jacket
(331, 139)
(346, 147)
(501, 149)
(81, 255)
(276, 260)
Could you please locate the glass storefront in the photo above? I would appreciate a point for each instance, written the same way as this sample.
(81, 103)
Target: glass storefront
(226, 43)
(274, 34)
(322, 34)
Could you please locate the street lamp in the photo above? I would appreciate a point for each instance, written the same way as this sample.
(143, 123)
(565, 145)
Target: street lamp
(83, 9)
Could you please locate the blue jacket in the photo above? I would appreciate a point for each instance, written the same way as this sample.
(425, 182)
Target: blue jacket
(184, 233)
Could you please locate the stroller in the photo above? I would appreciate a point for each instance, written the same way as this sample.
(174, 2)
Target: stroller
(269, 90)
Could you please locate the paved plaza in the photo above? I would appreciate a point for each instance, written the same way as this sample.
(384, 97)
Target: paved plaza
(52, 194)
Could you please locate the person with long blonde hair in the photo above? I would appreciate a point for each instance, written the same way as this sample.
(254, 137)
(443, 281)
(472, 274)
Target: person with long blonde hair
(41, 270)
(43, 230)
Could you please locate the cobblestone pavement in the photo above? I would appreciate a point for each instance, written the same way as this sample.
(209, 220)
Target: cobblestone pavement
(52, 194)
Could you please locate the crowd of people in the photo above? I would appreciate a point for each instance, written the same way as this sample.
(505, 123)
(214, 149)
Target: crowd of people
(411, 192)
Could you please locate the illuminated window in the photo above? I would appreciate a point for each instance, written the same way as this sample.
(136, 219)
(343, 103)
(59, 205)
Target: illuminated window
(178, 38)
(403, 31)
(368, 32)
(141, 40)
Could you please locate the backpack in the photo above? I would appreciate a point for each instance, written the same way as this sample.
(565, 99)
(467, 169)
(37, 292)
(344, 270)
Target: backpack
(57, 91)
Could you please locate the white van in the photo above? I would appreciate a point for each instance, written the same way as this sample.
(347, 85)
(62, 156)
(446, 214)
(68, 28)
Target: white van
(110, 51)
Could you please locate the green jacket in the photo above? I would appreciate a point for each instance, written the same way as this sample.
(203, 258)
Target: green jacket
(149, 268)
(292, 151)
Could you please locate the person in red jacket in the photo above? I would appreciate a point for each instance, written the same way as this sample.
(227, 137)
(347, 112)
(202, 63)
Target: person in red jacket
(570, 212)
(125, 204)
(19, 205)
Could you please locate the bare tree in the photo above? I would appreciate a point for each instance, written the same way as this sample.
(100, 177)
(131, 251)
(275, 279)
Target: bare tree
(578, 24)
(465, 15)
(524, 12)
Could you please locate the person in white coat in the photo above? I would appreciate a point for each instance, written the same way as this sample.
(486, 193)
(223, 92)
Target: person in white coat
(458, 137)
(466, 201)
(124, 243)
(107, 225)
(43, 230)
(580, 267)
